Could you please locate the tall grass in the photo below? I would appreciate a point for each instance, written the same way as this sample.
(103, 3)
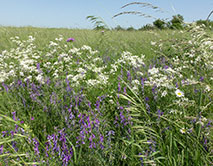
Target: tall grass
(108, 42)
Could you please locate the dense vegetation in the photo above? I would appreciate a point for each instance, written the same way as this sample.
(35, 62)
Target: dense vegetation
(90, 97)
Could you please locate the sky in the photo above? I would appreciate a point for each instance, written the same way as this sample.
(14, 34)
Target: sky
(73, 13)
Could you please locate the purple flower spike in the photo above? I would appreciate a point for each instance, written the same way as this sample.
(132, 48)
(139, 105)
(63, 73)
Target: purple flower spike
(14, 115)
(70, 40)
(1, 149)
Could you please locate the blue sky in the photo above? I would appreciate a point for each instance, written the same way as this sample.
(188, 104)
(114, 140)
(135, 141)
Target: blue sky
(73, 13)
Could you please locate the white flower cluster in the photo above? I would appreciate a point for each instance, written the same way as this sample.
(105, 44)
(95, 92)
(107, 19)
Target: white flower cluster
(132, 60)
(128, 59)
(19, 61)
(79, 65)
(161, 77)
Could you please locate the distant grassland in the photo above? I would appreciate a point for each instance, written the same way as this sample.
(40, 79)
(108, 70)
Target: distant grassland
(108, 43)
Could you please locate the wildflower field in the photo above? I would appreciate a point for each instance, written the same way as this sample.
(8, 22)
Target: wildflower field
(90, 97)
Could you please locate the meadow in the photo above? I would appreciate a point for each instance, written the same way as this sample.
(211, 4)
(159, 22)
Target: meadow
(92, 97)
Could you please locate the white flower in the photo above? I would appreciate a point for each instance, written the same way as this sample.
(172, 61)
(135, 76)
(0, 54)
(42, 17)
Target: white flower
(92, 82)
(69, 76)
(135, 82)
(85, 47)
(190, 42)
(74, 50)
(52, 44)
(81, 70)
(208, 88)
(140, 73)
(191, 55)
(183, 130)
(21, 74)
(164, 93)
(103, 78)
(153, 43)
(111, 101)
(98, 69)
(96, 59)
(173, 111)
(153, 71)
(204, 119)
(200, 122)
(135, 89)
(40, 78)
(28, 78)
(179, 93)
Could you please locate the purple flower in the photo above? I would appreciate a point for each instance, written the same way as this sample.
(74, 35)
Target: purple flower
(90, 138)
(141, 159)
(70, 40)
(5, 86)
(97, 122)
(146, 98)
(101, 138)
(119, 87)
(14, 115)
(4, 133)
(159, 113)
(48, 81)
(166, 67)
(176, 84)
(32, 118)
(36, 145)
(111, 132)
(38, 67)
(1, 149)
(124, 90)
(201, 78)
(128, 75)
